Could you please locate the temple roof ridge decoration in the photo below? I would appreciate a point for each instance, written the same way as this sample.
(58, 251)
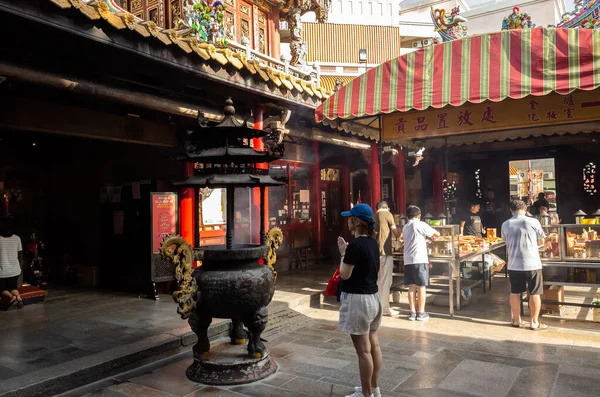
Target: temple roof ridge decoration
(232, 55)
(517, 20)
(451, 26)
(585, 15)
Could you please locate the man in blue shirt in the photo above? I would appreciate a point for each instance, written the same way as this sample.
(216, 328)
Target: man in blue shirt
(523, 235)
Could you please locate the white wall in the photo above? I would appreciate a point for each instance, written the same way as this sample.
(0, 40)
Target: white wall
(483, 16)
(361, 12)
(488, 18)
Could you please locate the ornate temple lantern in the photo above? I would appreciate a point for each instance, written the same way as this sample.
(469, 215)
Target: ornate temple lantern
(428, 218)
(579, 216)
(597, 216)
(443, 218)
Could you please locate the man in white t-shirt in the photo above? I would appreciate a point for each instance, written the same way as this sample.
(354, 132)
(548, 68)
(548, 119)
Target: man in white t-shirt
(523, 235)
(11, 260)
(416, 262)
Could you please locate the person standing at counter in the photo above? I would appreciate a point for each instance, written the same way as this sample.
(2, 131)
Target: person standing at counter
(416, 261)
(523, 235)
(540, 202)
(385, 228)
(471, 224)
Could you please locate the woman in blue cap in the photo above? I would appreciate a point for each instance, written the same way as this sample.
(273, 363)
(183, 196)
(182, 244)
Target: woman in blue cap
(361, 309)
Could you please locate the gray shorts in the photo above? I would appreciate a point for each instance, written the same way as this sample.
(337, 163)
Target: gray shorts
(360, 313)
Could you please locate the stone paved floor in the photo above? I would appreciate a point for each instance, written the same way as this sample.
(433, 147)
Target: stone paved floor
(73, 324)
(475, 354)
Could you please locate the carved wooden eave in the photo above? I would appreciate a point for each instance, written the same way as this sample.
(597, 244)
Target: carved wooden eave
(287, 86)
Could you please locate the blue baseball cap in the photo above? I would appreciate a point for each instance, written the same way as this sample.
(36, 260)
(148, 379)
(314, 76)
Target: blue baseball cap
(362, 212)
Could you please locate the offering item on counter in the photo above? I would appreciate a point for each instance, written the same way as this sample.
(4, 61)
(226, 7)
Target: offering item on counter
(491, 233)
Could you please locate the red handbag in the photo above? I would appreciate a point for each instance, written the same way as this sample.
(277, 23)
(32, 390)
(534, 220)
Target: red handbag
(334, 282)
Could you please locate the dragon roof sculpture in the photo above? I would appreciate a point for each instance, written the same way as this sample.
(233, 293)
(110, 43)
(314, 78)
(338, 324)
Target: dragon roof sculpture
(585, 15)
(450, 27)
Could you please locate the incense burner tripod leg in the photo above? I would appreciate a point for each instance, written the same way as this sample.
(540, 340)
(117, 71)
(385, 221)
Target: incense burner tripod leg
(256, 324)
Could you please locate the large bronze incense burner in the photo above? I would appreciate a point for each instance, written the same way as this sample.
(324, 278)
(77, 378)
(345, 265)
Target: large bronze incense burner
(235, 281)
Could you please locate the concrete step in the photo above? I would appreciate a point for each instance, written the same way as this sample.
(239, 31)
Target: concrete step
(284, 316)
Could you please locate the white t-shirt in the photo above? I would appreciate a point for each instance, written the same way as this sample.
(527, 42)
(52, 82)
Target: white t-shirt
(415, 234)
(9, 256)
(521, 234)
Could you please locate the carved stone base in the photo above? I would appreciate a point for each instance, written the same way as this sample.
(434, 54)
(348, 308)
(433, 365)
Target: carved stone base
(229, 364)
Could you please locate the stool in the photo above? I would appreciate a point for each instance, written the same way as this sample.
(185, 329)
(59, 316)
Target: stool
(31, 295)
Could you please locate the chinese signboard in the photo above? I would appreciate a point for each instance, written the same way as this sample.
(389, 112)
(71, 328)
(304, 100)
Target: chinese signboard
(488, 116)
(164, 218)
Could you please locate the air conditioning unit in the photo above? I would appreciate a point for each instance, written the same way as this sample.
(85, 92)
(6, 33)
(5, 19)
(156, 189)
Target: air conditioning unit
(548, 175)
(427, 42)
(417, 44)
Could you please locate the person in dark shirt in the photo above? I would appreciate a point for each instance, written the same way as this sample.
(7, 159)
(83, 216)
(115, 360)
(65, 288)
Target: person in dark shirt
(491, 210)
(471, 224)
(361, 308)
(540, 202)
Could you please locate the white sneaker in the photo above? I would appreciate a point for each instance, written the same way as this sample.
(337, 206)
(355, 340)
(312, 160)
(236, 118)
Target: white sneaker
(359, 394)
(376, 391)
(391, 313)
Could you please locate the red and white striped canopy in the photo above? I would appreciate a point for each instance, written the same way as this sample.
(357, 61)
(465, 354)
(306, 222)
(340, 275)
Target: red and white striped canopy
(495, 66)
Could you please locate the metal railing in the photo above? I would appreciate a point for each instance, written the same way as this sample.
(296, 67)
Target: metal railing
(311, 72)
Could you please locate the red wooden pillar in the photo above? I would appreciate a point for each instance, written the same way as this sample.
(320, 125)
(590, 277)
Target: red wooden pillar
(400, 184)
(187, 206)
(345, 187)
(255, 205)
(438, 199)
(315, 199)
(374, 175)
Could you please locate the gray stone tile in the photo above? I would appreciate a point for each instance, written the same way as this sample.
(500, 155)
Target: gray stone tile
(567, 369)
(7, 373)
(549, 359)
(16, 365)
(574, 386)
(262, 390)
(213, 392)
(317, 387)
(319, 361)
(278, 379)
(433, 372)
(23, 351)
(534, 382)
(437, 393)
(489, 358)
(106, 393)
(578, 353)
(134, 390)
(178, 385)
(480, 378)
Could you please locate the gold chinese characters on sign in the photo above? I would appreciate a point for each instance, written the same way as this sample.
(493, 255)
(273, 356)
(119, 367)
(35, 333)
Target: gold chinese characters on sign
(489, 116)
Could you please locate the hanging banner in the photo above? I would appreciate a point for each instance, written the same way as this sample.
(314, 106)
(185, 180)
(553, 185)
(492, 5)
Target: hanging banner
(164, 217)
(471, 118)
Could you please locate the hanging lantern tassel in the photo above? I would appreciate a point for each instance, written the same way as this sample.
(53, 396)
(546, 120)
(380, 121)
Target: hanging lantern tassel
(448, 190)
(589, 178)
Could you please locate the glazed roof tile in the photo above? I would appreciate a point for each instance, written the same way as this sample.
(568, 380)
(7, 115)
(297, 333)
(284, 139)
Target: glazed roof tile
(100, 11)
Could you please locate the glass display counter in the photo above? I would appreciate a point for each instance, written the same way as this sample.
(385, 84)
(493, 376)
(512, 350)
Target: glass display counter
(445, 246)
(581, 243)
(551, 249)
(577, 262)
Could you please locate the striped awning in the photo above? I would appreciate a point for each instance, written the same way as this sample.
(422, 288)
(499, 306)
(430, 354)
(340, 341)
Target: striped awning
(496, 66)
